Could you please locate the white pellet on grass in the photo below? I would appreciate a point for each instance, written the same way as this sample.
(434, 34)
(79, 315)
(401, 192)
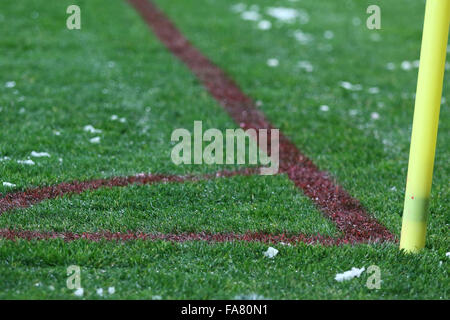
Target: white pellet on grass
(374, 90)
(390, 66)
(100, 292)
(302, 37)
(95, 140)
(288, 15)
(26, 162)
(348, 275)
(375, 115)
(10, 84)
(114, 117)
(306, 65)
(79, 292)
(271, 253)
(324, 108)
(111, 290)
(273, 62)
(447, 254)
(328, 34)
(9, 184)
(122, 120)
(264, 25)
(351, 87)
(406, 65)
(89, 128)
(156, 297)
(250, 15)
(39, 154)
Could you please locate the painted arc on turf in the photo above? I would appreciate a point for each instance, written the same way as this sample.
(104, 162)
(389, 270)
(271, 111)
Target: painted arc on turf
(345, 211)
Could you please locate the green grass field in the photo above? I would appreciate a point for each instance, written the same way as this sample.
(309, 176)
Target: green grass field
(66, 79)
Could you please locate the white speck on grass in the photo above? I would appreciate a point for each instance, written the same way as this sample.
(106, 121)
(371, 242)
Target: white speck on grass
(22, 110)
(375, 115)
(306, 65)
(288, 15)
(95, 140)
(27, 162)
(271, 253)
(273, 62)
(406, 65)
(111, 290)
(10, 84)
(51, 288)
(238, 7)
(324, 108)
(39, 154)
(416, 63)
(91, 129)
(79, 292)
(390, 66)
(374, 90)
(122, 120)
(348, 86)
(5, 159)
(353, 112)
(9, 184)
(100, 292)
(302, 37)
(356, 21)
(157, 297)
(393, 188)
(250, 15)
(348, 275)
(328, 34)
(114, 117)
(56, 133)
(264, 25)
(447, 254)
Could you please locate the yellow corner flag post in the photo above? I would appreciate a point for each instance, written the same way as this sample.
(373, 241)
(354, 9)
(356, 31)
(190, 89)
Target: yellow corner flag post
(425, 124)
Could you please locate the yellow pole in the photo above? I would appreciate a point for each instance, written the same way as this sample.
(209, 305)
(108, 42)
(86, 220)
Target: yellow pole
(425, 124)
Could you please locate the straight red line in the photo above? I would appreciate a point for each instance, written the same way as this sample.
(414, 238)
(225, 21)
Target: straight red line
(32, 196)
(345, 211)
(10, 234)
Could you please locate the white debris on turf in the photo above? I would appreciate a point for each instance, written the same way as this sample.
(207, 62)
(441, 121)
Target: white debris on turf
(111, 290)
(271, 252)
(95, 140)
(100, 292)
(273, 62)
(5, 159)
(79, 292)
(122, 120)
(447, 254)
(406, 65)
(114, 117)
(39, 154)
(374, 90)
(375, 115)
(328, 34)
(238, 7)
(324, 108)
(288, 15)
(348, 275)
(250, 15)
(390, 66)
(156, 297)
(10, 84)
(302, 37)
(264, 25)
(9, 184)
(306, 65)
(348, 86)
(27, 162)
(91, 129)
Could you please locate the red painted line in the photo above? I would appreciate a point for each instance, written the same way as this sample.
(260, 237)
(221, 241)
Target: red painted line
(32, 196)
(345, 211)
(10, 234)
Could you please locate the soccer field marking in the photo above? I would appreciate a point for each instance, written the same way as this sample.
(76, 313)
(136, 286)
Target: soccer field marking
(11, 234)
(32, 196)
(345, 211)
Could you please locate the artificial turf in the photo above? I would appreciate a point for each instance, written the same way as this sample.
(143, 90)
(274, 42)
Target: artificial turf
(114, 65)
